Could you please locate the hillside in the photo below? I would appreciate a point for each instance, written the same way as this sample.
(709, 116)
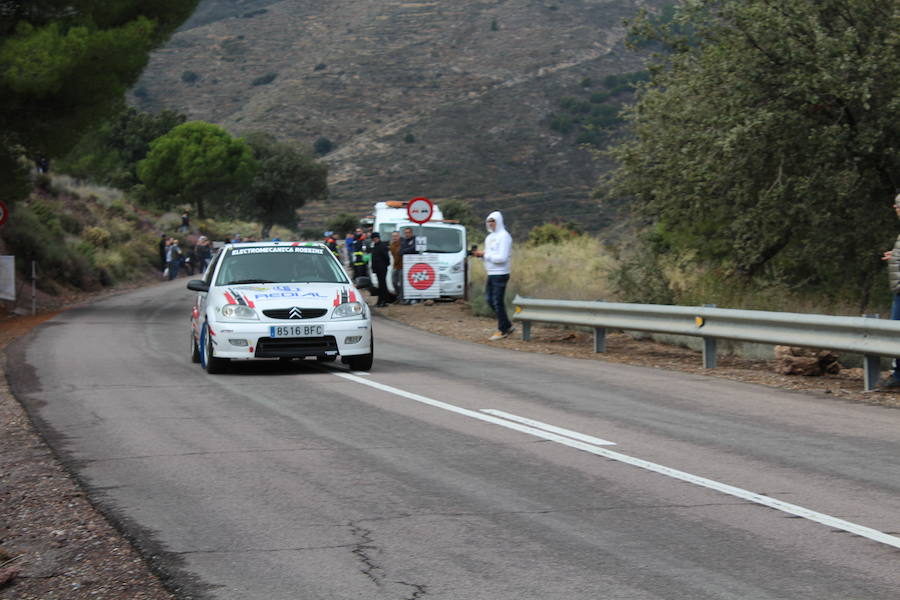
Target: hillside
(446, 100)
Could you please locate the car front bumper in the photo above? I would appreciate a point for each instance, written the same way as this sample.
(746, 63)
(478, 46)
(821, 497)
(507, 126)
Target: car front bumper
(253, 340)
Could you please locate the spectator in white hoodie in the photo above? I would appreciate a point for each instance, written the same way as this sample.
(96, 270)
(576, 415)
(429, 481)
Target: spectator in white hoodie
(497, 255)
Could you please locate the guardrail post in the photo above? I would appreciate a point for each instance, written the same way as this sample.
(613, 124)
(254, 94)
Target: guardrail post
(709, 353)
(709, 348)
(871, 367)
(526, 330)
(599, 339)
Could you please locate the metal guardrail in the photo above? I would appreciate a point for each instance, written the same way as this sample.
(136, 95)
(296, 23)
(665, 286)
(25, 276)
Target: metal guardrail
(870, 337)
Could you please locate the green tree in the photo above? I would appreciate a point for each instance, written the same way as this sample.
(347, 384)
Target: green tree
(768, 141)
(199, 163)
(457, 210)
(287, 178)
(66, 64)
(109, 153)
(342, 223)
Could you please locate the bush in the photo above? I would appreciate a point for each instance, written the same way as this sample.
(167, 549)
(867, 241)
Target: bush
(342, 224)
(323, 146)
(70, 224)
(265, 79)
(97, 237)
(190, 77)
(550, 233)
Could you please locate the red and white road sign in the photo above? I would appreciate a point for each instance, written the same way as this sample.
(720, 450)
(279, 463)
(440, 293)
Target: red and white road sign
(420, 276)
(4, 212)
(420, 210)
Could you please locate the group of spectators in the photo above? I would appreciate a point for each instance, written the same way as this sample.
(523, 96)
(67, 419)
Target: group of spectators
(365, 247)
(362, 248)
(191, 259)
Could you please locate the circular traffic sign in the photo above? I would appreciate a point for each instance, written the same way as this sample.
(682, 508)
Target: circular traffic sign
(4, 212)
(420, 210)
(421, 276)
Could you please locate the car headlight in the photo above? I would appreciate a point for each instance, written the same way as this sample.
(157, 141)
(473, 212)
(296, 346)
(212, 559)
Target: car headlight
(348, 309)
(457, 267)
(239, 311)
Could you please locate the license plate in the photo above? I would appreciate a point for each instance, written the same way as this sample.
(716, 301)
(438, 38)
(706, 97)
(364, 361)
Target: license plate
(282, 331)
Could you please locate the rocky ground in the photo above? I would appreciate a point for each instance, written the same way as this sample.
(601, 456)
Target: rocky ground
(54, 544)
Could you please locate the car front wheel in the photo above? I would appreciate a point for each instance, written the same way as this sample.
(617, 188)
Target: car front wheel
(213, 365)
(195, 349)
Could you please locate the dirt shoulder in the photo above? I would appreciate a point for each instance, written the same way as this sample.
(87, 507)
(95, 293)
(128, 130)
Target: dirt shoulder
(54, 544)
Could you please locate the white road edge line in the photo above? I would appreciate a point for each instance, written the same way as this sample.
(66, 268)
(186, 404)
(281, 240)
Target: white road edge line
(551, 428)
(792, 509)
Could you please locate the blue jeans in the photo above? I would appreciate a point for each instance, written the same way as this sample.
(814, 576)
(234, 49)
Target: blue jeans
(494, 291)
(895, 316)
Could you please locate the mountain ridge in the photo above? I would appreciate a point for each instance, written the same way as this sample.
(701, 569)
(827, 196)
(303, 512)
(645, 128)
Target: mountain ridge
(419, 99)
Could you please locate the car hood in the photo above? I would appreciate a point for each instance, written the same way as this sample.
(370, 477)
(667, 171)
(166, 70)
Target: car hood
(285, 295)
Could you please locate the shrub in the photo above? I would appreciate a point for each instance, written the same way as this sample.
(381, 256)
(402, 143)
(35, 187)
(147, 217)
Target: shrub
(409, 138)
(70, 224)
(342, 223)
(323, 146)
(265, 79)
(550, 233)
(97, 237)
(190, 77)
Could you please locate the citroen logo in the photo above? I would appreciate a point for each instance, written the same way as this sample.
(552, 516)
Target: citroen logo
(295, 313)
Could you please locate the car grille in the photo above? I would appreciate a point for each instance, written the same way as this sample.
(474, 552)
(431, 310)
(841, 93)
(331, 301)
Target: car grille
(295, 347)
(285, 313)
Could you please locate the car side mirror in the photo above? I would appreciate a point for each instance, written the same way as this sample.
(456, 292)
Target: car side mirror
(362, 282)
(198, 285)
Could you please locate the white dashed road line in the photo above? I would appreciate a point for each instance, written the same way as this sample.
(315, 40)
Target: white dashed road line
(593, 445)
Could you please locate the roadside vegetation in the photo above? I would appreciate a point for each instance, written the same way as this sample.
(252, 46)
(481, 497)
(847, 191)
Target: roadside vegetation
(763, 156)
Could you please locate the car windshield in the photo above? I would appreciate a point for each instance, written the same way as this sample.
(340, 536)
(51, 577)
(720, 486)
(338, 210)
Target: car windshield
(280, 264)
(441, 239)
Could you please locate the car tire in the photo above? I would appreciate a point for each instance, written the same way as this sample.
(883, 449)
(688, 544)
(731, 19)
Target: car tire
(214, 366)
(195, 349)
(362, 362)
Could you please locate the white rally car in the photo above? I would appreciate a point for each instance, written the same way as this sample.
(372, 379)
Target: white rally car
(282, 300)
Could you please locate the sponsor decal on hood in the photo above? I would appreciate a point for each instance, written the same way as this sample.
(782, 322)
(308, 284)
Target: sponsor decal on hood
(251, 295)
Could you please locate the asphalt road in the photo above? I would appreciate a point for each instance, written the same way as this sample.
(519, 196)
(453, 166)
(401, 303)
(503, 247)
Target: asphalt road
(456, 471)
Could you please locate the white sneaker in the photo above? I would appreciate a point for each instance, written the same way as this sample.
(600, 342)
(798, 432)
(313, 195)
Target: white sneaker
(496, 336)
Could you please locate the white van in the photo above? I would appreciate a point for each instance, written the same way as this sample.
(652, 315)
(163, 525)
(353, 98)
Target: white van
(445, 239)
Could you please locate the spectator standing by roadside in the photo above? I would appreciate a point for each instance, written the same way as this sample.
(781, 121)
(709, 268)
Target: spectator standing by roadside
(381, 259)
(331, 242)
(407, 246)
(348, 248)
(497, 255)
(359, 254)
(163, 245)
(893, 260)
(185, 222)
(173, 257)
(397, 265)
(203, 252)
